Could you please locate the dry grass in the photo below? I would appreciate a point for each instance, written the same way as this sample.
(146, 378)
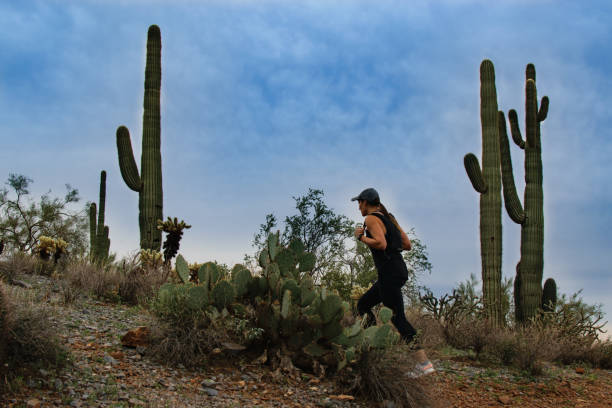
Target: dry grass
(28, 339)
(430, 332)
(17, 264)
(127, 281)
(380, 375)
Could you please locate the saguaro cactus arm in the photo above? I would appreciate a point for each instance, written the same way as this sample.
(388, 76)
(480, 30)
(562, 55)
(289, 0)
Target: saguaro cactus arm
(543, 112)
(515, 129)
(127, 164)
(472, 168)
(511, 199)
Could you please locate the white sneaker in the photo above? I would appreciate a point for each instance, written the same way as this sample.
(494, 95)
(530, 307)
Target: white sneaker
(421, 369)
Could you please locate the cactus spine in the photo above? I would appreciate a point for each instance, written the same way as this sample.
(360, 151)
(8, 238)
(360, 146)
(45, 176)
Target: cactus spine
(529, 270)
(148, 183)
(488, 183)
(98, 232)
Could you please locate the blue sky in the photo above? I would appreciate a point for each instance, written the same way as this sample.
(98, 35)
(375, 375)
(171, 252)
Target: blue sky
(262, 100)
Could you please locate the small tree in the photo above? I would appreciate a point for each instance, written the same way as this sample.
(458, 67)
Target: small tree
(23, 221)
(342, 262)
(322, 231)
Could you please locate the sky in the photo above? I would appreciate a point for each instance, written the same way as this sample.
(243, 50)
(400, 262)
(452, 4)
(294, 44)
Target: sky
(262, 100)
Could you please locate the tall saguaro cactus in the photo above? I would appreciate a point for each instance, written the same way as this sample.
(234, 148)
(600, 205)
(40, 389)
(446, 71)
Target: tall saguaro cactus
(488, 183)
(529, 270)
(148, 183)
(98, 232)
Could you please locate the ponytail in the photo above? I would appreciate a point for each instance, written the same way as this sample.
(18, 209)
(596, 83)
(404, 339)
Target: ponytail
(389, 215)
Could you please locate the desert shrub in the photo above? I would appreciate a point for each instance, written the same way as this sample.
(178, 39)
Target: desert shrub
(27, 339)
(16, 264)
(473, 333)
(91, 279)
(381, 375)
(127, 281)
(430, 333)
(187, 335)
(139, 281)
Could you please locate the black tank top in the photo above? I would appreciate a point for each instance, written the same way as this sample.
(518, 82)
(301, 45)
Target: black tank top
(389, 263)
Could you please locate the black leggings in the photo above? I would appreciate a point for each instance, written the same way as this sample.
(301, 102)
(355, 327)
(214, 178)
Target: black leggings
(389, 292)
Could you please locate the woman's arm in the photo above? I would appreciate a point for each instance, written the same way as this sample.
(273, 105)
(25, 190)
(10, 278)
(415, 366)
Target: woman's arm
(376, 228)
(405, 240)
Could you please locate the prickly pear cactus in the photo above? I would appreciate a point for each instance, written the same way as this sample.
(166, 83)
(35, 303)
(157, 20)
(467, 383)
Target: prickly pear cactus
(182, 269)
(296, 316)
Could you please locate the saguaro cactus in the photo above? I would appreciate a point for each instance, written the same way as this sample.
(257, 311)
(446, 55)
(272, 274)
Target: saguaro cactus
(488, 183)
(528, 281)
(98, 232)
(148, 183)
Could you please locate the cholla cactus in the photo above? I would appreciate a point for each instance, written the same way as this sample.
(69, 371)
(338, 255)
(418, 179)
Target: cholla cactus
(48, 246)
(174, 229)
(150, 258)
(60, 249)
(45, 247)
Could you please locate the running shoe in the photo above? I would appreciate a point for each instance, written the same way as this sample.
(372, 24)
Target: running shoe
(421, 369)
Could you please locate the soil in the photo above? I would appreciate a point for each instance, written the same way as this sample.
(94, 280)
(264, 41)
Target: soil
(103, 373)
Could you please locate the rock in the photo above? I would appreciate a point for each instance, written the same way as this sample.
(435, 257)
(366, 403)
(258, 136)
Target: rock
(109, 360)
(327, 403)
(211, 392)
(208, 383)
(135, 402)
(504, 399)
(33, 403)
(136, 337)
(233, 348)
(117, 355)
(24, 285)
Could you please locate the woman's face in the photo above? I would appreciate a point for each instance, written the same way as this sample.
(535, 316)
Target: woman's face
(362, 207)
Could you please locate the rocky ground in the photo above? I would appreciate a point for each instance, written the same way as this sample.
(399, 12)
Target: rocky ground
(103, 373)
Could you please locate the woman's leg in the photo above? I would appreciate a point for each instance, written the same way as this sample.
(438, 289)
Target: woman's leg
(367, 301)
(391, 293)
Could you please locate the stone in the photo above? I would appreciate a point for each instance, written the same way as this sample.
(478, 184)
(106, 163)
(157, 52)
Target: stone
(118, 355)
(135, 402)
(208, 383)
(109, 360)
(136, 337)
(504, 399)
(33, 403)
(211, 392)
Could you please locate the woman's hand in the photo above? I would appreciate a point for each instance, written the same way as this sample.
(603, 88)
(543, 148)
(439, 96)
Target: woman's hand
(359, 230)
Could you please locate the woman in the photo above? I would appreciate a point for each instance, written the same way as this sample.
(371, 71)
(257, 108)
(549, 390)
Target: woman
(386, 240)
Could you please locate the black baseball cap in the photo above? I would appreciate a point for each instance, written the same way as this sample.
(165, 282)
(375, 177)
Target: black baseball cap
(369, 194)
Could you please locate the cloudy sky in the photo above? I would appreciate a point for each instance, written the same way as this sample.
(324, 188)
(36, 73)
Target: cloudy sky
(263, 99)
